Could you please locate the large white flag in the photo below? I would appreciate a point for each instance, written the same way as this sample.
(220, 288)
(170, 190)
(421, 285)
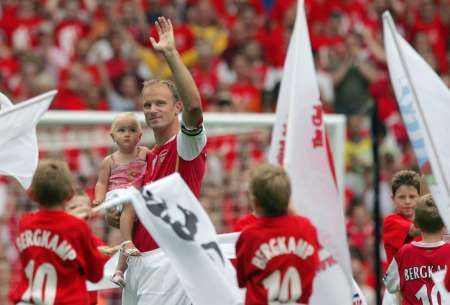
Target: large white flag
(18, 141)
(183, 230)
(227, 244)
(299, 142)
(424, 102)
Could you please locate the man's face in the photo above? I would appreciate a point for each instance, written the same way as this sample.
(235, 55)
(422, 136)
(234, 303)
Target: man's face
(405, 199)
(160, 107)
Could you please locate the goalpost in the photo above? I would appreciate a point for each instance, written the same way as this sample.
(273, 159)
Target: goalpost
(91, 128)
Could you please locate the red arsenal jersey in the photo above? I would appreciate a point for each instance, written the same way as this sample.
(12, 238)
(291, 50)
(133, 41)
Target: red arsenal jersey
(411, 269)
(161, 162)
(244, 221)
(277, 258)
(395, 234)
(58, 254)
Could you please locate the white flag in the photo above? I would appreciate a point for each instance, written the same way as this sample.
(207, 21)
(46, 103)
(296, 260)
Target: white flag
(183, 230)
(424, 102)
(227, 243)
(438, 279)
(18, 143)
(299, 142)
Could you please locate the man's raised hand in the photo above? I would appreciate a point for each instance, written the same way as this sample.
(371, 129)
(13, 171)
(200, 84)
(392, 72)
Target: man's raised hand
(166, 41)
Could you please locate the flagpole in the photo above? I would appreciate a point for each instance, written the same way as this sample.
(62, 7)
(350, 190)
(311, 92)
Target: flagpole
(392, 27)
(376, 203)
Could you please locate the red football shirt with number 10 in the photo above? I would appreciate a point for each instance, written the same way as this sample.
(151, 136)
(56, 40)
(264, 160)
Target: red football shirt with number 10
(277, 259)
(58, 253)
(411, 269)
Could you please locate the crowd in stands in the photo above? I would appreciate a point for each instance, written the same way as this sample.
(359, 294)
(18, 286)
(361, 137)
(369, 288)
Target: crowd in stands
(97, 53)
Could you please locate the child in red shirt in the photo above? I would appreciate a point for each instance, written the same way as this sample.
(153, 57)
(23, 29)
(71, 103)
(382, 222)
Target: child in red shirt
(57, 251)
(277, 254)
(412, 266)
(398, 228)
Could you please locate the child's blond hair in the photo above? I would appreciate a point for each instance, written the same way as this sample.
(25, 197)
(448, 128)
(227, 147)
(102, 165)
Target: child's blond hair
(271, 187)
(52, 183)
(130, 115)
(427, 217)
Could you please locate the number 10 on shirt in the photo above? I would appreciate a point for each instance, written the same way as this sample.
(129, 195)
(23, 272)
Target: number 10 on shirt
(283, 289)
(45, 275)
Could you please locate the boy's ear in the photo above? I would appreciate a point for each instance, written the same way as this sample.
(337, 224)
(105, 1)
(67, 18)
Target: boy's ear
(112, 136)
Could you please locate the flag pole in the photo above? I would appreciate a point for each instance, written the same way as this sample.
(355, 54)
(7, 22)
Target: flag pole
(376, 203)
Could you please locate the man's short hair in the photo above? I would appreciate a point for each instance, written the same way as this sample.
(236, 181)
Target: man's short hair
(271, 187)
(405, 177)
(170, 84)
(427, 215)
(52, 183)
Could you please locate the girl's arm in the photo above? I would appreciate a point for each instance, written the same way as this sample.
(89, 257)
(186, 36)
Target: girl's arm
(102, 183)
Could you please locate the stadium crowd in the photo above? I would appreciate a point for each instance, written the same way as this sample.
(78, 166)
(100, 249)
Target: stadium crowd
(96, 53)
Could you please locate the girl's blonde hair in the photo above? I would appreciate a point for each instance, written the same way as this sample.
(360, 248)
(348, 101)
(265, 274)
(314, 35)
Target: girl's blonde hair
(130, 115)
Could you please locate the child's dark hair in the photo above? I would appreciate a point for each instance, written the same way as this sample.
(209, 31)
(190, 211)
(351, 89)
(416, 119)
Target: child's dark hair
(271, 187)
(427, 217)
(52, 183)
(405, 177)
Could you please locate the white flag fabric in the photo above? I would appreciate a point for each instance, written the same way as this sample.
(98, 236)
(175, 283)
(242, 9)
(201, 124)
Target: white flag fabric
(183, 230)
(390, 299)
(329, 285)
(424, 102)
(18, 142)
(227, 243)
(299, 143)
(358, 297)
(438, 279)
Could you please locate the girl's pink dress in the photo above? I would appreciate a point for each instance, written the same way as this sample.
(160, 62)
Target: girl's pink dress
(127, 174)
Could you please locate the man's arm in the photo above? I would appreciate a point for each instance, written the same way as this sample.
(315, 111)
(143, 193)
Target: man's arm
(192, 112)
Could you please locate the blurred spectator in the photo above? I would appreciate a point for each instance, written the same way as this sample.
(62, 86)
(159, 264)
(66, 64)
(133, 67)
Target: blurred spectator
(352, 73)
(204, 72)
(245, 96)
(359, 226)
(54, 57)
(20, 23)
(361, 274)
(71, 26)
(128, 97)
(428, 22)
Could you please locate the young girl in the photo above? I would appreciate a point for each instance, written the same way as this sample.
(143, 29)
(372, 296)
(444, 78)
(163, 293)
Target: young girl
(123, 168)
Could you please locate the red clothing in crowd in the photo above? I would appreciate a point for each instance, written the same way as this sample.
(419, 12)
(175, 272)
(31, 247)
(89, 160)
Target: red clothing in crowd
(411, 269)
